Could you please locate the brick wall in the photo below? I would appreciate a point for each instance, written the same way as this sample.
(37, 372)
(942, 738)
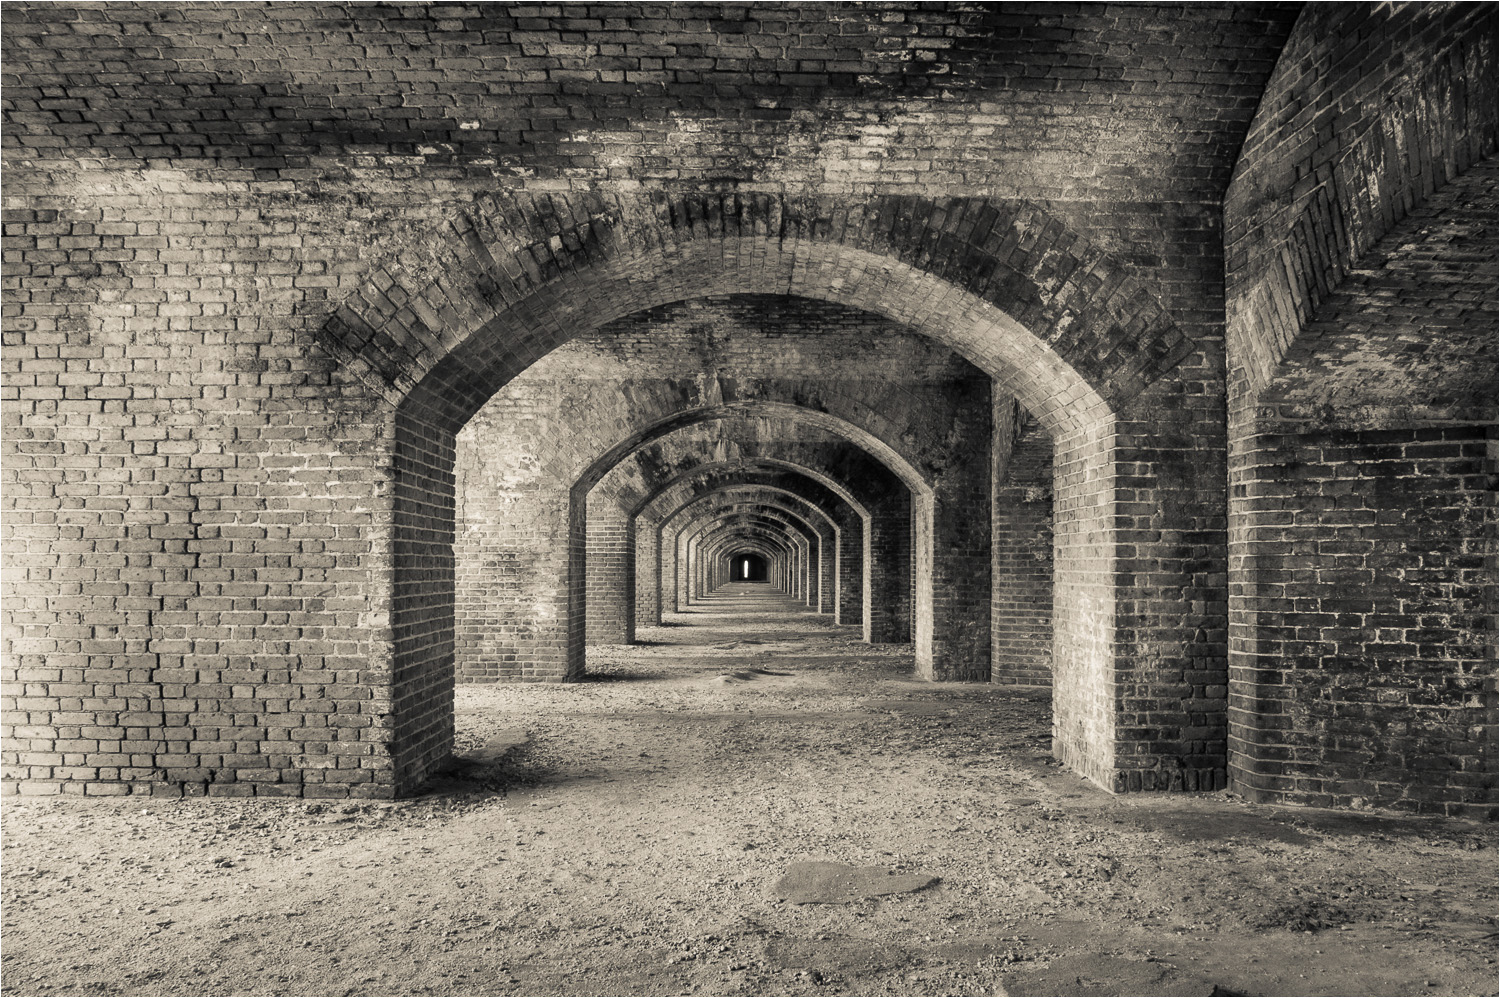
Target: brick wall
(1365, 672)
(1362, 472)
(852, 97)
(193, 502)
(1364, 507)
(610, 574)
(247, 321)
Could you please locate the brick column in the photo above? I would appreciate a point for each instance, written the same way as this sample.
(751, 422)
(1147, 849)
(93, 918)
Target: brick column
(648, 572)
(1140, 591)
(952, 549)
(828, 568)
(681, 577)
(810, 572)
(887, 571)
(511, 613)
(1021, 554)
(610, 587)
(849, 599)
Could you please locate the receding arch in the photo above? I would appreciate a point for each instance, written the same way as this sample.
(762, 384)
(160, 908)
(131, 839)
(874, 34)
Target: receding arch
(873, 555)
(505, 288)
(819, 523)
(803, 539)
(833, 485)
(808, 486)
(711, 538)
(1069, 353)
(716, 536)
(758, 499)
(746, 565)
(621, 611)
(899, 463)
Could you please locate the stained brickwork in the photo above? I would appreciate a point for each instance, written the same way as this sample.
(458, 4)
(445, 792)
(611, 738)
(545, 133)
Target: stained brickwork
(267, 265)
(1370, 109)
(1362, 470)
(610, 574)
(1364, 551)
(847, 96)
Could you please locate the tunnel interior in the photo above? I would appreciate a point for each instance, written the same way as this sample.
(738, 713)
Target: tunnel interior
(329, 395)
(748, 566)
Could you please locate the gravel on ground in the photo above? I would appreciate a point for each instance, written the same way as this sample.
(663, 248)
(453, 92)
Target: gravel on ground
(633, 834)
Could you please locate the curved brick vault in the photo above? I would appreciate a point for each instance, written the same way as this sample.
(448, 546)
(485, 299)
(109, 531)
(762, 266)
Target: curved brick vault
(1307, 200)
(761, 492)
(876, 257)
(1060, 325)
(710, 525)
(854, 479)
(902, 465)
(634, 482)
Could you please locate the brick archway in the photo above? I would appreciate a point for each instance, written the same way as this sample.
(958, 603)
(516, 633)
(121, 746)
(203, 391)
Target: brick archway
(715, 570)
(1070, 349)
(870, 573)
(889, 526)
(821, 524)
(657, 561)
(884, 526)
(1060, 324)
(841, 590)
(802, 539)
(713, 540)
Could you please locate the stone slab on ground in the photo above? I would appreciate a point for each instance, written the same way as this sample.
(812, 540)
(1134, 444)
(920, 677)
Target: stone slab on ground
(838, 883)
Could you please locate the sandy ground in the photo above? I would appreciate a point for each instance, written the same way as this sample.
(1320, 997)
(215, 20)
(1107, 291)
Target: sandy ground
(636, 842)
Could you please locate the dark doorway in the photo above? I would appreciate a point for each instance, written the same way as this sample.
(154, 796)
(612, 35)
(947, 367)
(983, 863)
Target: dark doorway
(748, 567)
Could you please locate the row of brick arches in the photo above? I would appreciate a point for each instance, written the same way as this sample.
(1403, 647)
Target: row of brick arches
(310, 419)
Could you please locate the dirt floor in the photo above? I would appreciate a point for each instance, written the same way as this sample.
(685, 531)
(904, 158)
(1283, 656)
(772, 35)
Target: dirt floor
(639, 836)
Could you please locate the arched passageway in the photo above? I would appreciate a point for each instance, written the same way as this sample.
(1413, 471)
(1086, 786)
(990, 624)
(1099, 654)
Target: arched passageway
(1108, 385)
(747, 566)
(1088, 653)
